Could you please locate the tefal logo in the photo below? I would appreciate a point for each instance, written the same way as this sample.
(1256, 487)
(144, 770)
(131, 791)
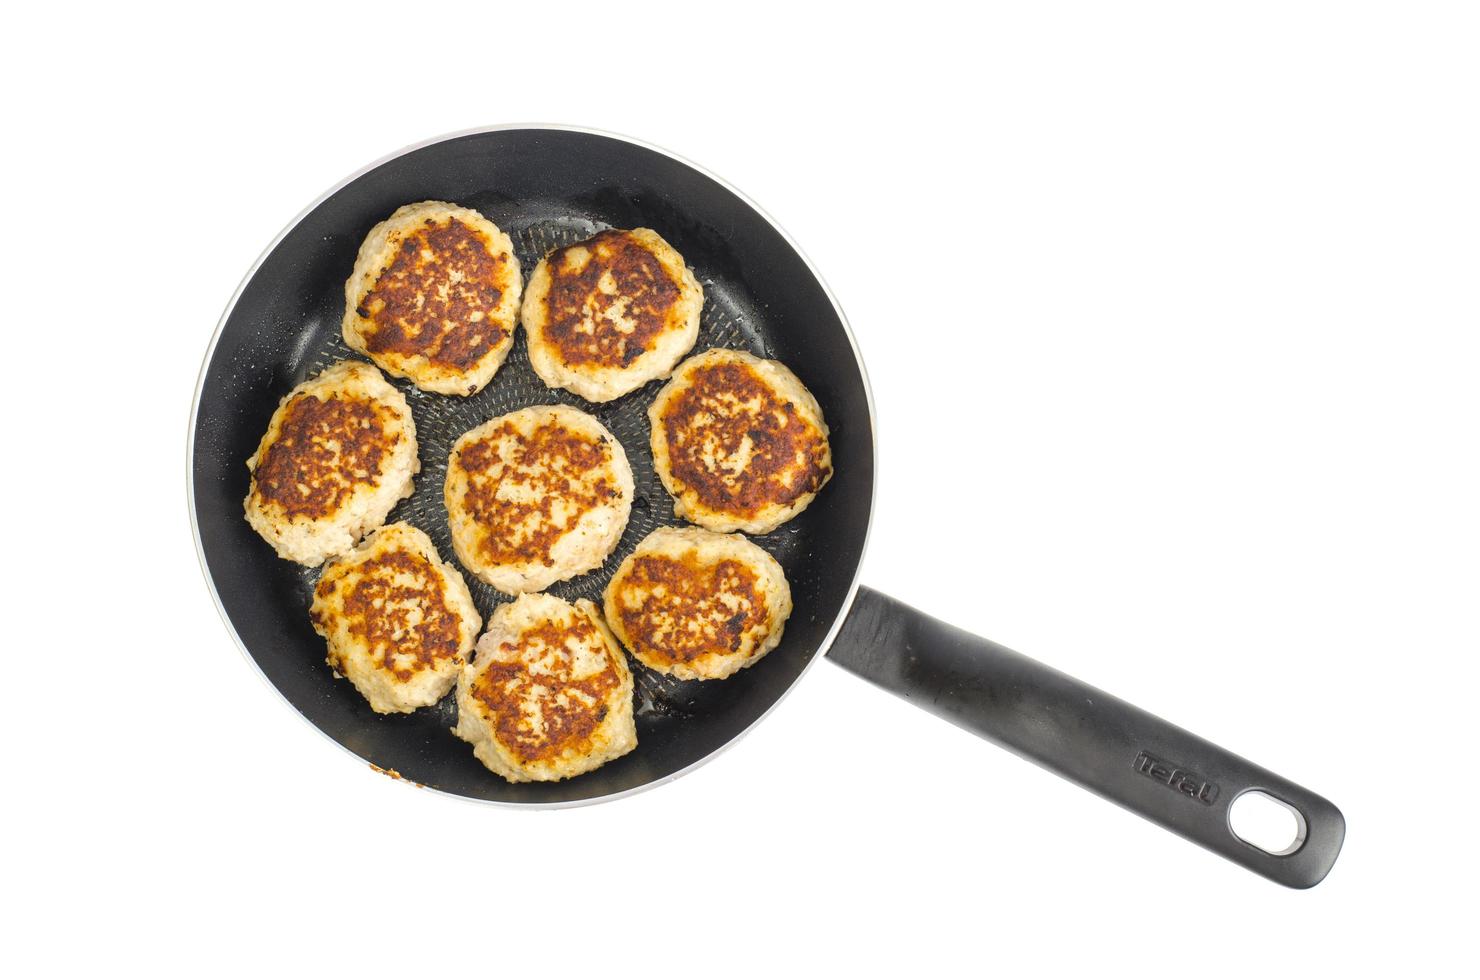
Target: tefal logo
(1187, 783)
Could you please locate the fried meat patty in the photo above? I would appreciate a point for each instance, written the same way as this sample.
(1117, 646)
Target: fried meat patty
(739, 442)
(696, 604)
(434, 296)
(549, 694)
(398, 620)
(338, 454)
(609, 314)
(536, 496)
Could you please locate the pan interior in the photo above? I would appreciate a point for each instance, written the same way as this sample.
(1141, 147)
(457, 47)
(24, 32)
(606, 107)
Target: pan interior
(546, 188)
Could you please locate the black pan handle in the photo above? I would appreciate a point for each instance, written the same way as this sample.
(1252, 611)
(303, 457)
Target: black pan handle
(1149, 766)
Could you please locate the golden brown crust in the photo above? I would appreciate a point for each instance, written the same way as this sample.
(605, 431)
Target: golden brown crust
(556, 463)
(324, 450)
(607, 315)
(589, 279)
(434, 297)
(549, 694)
(394, 604)
(733, 444)
(571, 708)
(690, 609)
(698, 605)
(398, 621)
(438, 297)
(338, 453)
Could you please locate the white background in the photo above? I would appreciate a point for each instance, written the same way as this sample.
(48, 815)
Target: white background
(1196, 287)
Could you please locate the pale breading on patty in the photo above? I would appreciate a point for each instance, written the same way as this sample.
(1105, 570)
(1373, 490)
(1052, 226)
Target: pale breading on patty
(536, 496)
(549, 694)
(698, 605)
(339, 453)
(739, 442)
(609, 314)
(399, 621)
(434, 296)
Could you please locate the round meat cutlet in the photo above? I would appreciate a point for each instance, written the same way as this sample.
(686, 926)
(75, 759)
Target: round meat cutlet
(698, 605)
(399, 621)
(607, 315)
(536, 496)
(739, 442)
(339, 453)
(433, 297)
(549, 694)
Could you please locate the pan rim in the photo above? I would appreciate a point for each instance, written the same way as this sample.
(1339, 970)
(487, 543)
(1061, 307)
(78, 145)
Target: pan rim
(251, 273)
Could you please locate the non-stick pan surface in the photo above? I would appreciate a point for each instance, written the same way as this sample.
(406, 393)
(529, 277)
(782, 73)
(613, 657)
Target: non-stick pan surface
(545, 187)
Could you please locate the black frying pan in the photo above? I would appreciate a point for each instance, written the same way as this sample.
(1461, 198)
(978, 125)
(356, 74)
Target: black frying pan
(551, 186)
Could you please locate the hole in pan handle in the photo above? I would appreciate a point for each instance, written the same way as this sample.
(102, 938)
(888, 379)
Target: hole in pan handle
(1129, 756)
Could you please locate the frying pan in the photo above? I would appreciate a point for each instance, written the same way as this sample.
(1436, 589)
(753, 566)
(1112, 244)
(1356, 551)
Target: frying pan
(549, 186)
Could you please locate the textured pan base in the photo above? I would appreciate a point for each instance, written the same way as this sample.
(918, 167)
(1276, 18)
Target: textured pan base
(441, 419)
